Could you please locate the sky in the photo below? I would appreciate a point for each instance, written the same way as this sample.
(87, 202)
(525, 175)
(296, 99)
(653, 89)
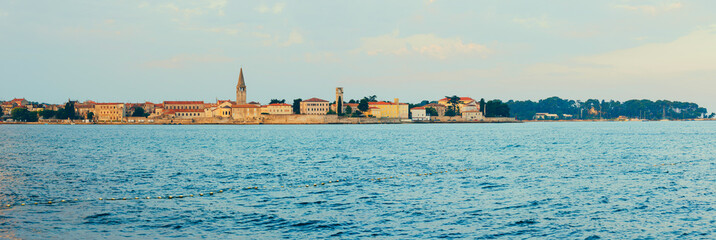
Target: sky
(136, 51)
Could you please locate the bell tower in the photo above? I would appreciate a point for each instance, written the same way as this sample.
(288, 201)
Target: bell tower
(241, 89)
(339, 100)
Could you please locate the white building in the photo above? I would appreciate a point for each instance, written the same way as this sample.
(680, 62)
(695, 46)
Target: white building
(419, 114)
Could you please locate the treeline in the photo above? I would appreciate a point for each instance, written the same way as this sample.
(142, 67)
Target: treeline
(601, 109)
(68, 112)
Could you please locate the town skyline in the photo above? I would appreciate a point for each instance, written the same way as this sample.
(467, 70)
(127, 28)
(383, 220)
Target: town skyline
(616, 50)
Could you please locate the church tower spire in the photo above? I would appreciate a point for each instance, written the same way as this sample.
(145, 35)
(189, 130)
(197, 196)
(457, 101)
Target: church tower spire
(241, 88)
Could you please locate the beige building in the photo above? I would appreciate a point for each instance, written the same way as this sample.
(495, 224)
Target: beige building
(278, 108)
(109, 112)
(245, 111)
(314, 106)
(84, 108)
(389, 109)
(472, 115)
(185, 113)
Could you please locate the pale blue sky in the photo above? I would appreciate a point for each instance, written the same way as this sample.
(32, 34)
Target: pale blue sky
(132, 51)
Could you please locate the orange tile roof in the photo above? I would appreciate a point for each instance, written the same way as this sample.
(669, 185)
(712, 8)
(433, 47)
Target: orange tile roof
(314, 100)
(417, 108)
(183, 102)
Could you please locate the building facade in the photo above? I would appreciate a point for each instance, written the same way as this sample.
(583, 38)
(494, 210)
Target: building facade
(183, 105)
(472, 115)
(393, 109)
(245, 111)
(418, 114)
(279, 108)
(314, 106)
(109, 112)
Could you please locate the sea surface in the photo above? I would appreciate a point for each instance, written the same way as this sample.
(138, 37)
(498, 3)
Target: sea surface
(590, 180)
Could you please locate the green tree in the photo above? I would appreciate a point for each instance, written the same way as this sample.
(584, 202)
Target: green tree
(90, 115)
(47, 114)
(453, 109)
(139, 112)
(23, 115)
(297, 106)
(363, 105)
(69, 111)
(330, 111)
(277, 101)
(431, 111)
(349, 110)
(1, 112)
(496, 108)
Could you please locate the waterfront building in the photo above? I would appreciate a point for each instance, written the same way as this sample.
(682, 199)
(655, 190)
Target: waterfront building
(245, 111)
(278, 108)
(314, 106)
(472, 115)
(241, 88)
(9, 105)
(185, 113)
(393, 109)
(158, 110)
(109, 112)
(222, 110)
(182, 105)
(464, 101)
(470, 106)
(418, 114)
(86, 107)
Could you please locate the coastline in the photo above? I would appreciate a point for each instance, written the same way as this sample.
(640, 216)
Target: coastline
(348, 122)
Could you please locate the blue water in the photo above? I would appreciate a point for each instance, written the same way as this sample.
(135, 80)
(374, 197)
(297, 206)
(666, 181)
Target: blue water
(532, 180)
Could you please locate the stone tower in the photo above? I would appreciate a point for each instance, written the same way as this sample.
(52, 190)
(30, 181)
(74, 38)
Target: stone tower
(339, 100)
(241, 89)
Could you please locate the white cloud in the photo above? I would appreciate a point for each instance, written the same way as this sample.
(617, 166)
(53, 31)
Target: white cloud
(651, 9)
(422, 44)
(532, 22)
(181, 61)
(693, 53)
(275, 9)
